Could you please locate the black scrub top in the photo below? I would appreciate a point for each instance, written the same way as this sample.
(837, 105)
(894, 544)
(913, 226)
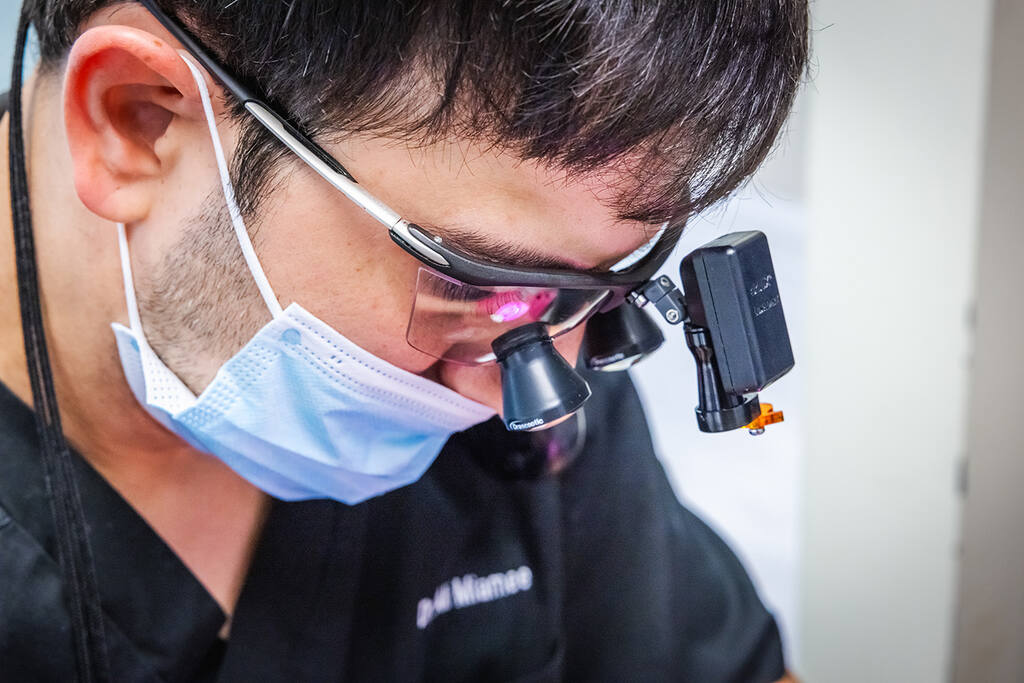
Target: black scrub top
(596, 574)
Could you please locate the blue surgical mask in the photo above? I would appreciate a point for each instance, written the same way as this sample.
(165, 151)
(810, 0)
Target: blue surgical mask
(300, 412)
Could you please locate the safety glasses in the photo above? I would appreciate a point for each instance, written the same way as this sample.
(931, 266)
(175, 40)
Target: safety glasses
(463, 303)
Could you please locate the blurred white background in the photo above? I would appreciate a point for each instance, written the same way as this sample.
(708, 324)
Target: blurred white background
(881, 520)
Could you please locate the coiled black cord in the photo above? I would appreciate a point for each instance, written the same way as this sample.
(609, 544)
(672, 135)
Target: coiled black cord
(73, 552)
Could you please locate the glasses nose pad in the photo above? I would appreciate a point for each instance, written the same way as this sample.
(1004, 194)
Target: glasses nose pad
(539, 388)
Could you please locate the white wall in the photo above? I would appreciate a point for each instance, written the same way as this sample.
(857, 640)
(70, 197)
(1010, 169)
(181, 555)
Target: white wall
(8, 27)
(896, 117)
(990, 634)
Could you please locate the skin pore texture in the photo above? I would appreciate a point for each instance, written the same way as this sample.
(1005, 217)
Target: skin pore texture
(119, 136)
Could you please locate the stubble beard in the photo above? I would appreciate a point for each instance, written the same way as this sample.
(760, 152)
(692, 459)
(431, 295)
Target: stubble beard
(200, 305)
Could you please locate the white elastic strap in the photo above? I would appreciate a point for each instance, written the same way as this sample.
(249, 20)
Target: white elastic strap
(129, 284)
(251, 260)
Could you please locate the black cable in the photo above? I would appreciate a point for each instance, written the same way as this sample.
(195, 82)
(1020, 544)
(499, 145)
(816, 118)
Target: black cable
(73, 551)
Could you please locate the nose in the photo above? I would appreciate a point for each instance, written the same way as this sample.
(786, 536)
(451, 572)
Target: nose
(483, 383)
(569, 344)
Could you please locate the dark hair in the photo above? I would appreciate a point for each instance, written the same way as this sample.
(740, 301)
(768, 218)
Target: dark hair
(689, 94)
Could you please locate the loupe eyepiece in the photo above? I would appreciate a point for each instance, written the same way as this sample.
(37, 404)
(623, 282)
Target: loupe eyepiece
(538, 387)
(620, 338)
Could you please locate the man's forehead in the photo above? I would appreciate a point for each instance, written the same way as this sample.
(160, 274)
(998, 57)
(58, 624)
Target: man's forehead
(506, 250)
(499, 207)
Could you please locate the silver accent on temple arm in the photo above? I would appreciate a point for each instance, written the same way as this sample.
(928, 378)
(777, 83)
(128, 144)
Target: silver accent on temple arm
(351, 189)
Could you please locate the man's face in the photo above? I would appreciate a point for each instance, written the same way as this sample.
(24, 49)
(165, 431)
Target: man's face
(318, 249)
(141, 154)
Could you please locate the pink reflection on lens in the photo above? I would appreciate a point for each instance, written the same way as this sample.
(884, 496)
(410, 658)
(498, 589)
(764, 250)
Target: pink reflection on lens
(513, 310)
(540, 302)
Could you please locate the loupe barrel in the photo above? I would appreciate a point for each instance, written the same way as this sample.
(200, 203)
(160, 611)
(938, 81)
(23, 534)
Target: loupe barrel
(620, 338)
(538, 387)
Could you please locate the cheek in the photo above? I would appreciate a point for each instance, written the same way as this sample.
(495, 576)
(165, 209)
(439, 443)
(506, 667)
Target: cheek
(480, 383)
(569, 344)
(346, 271)
(374, 314)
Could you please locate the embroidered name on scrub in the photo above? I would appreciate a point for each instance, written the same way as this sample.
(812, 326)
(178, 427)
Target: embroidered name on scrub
(470, 590)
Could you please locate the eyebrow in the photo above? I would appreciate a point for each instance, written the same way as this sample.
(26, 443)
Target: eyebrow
(501, 252)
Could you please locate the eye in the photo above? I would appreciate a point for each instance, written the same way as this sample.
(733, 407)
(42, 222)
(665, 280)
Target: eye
(454, 291)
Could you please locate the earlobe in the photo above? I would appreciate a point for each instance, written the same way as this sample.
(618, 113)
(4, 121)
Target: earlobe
(124, 90)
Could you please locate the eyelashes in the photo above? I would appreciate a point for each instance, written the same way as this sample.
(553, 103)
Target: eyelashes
(458, 292)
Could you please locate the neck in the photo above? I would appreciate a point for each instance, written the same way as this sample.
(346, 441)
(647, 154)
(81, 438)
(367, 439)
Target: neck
(200, 507)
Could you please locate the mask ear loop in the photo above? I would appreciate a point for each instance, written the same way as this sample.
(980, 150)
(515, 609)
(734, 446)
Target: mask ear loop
(134, 322)
(251, 260)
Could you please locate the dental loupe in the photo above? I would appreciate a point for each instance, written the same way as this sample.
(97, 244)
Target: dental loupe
(732, 320)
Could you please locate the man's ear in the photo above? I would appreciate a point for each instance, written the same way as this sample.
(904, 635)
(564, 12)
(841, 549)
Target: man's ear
(124, 91)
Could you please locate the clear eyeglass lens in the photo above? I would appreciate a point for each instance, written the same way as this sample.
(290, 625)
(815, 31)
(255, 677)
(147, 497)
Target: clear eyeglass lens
(456, 322)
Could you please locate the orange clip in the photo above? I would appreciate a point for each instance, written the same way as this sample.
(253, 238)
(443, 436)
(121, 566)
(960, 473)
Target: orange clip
(768, 416)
